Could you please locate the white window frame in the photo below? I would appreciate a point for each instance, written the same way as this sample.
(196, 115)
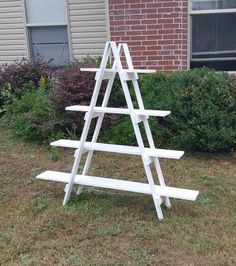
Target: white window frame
(32, 25)
(200, 12)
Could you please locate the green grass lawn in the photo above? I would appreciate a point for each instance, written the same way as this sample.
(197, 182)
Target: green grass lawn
(104, 227)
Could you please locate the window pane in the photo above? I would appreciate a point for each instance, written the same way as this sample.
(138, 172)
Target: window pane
(214, 38)
(213, 4)
(46, 11)
(50, 44)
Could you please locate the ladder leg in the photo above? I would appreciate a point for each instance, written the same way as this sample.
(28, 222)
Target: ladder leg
(161, 179)
(68, 188)
(150, 141)
(146, 124)
(98, 124)
(97, 130)
(156, 198)
(78, 153)
(156, 161)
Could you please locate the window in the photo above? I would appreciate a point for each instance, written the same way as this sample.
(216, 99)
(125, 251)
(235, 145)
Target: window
(47, 31)
(213, 34)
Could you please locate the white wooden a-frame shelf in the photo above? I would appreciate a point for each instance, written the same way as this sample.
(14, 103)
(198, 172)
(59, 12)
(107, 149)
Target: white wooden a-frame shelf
(160, 193)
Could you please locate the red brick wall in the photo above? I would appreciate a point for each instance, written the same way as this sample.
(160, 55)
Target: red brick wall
(155, 30)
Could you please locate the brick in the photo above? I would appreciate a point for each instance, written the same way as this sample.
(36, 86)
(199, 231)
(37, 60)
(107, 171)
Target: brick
(148, 1)
(135, 44)
(171, 36)
(137, 16)
(149, 21)
(165, 10)
(165, 31)
(137, 6)
(149, 32)
(165, 20)
(171, 15)
(170, 4)
(154, 5)
(133, 11)
(154, 48)
(165, 42)
(154, 26)
(138, 58)
(157, 58)
(150, 53)
(166, 63)
(154, 16)
(169, 57)
(162, 43)
(137, 32)
(122, 28)
(136, 54)
(171, 26)
(138, 27)
(132, 22)
(149, 10)
(117, 22)
(138, 38)
(118, 33)
(133, 1)
(147, 43)
(122, 6)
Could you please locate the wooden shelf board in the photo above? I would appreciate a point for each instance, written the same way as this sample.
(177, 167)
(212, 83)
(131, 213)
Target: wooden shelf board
(108, 70)
(117, 184)
(112, 110)
(162, 153)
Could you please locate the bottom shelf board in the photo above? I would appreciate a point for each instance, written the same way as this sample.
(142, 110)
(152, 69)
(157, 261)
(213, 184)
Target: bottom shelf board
(117, 184)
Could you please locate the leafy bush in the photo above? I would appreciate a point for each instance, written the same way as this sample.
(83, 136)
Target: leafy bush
(75, 87)
(203, 106)
(19, 75)
(33, 117)
(36, 111)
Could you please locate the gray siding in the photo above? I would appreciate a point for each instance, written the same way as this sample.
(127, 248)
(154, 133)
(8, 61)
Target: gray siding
(88, 27)
(12, 33)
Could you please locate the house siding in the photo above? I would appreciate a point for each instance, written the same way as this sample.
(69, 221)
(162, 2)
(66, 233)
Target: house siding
(12, 31)
(155, 30)
(88, 25)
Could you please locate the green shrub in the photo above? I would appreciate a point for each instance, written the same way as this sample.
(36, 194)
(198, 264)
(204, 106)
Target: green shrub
(33, 117)
(18, 75)
(203, 106)
(36, 111)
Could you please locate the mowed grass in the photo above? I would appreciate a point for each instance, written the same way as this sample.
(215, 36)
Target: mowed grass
(104, 227)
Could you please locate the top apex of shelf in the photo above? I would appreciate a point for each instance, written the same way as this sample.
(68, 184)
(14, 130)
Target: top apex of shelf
(141, 71)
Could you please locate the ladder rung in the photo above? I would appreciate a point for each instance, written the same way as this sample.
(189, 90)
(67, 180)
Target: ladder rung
(111, 110)
(140, 71)
(162, 153)
(131, 186)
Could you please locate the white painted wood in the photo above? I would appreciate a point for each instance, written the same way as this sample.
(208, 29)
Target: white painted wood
(137, 132)
(111, 110)
(145, 122)
(144, 188)
(159, 193)
(107, 70)
(87, 124)
(99, 122)
(162, 153)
